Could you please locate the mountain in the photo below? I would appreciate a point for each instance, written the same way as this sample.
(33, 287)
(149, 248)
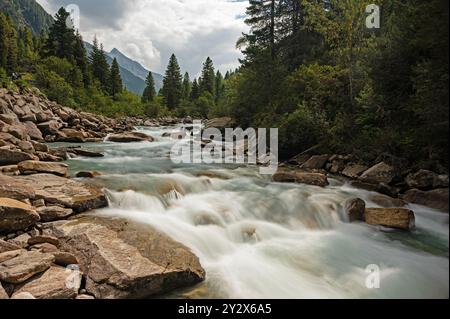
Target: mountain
(27, 13)
(131, 80)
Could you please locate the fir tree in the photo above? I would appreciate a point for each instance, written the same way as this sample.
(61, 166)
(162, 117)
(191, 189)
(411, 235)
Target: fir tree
(99, 66)
(61, 39)
(195, 91)
(208, 77)
(186, 87)
(116, 85)
(150, 91)
(172, 84)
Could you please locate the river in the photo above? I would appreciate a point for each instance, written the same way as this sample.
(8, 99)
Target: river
(259, 239)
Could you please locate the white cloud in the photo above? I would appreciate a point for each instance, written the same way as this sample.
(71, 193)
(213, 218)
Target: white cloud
(149, 31)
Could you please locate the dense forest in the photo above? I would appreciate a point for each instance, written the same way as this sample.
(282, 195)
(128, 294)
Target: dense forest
(311, 68)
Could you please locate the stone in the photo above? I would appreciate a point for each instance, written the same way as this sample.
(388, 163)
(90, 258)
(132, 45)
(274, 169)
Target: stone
(36, 167)
(316, 162)
(354, 171)
(380, 173)
(10, 118)
(21, 240)
(59, 191)
(15, 215)
(441, 181)
(85, 297)
(437, 199)
(220, 123)
(398, 218)
(55, 283)
(6, 246)
(10, 255)
(46, 157)
(314, 179)
(45, 248)
(3, 294)
(88, 174)
(123, 260)
(10, 170)
(33, 131)
(18, 131)
(38, 203)
(39, 147)
(50, 127)
(386, 201)
(85, 153)
(423, 180)
(129, 137)
(355, 209)
(25, 266)
(26, 147)
(53, 213)
(12, 157)
(43, 239)
(72, 136)
(29, 118)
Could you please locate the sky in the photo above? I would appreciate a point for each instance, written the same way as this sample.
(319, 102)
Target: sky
(149, 31)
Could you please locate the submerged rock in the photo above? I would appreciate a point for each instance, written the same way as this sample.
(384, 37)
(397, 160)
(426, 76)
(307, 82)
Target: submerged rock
(130, 137)
(314, 179)
(123, 260)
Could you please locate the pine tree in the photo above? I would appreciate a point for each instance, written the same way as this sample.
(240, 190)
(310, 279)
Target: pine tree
(186, 87)
(99, 66)
(172, 84)
(61, 39)
(115, 85)
(219, 87)
(81, 59)
(8, 44)
(195, 91)
(208, 77)
(150, 91)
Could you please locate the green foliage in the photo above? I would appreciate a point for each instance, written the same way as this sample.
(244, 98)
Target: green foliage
(115, 81)
(4, 80)
(172, 84)
(150, 91)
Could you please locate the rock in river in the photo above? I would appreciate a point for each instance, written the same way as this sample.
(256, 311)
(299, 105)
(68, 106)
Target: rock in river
(314, 179)
(34, 167)
(122, 260)
(130, 137)
(399, 218)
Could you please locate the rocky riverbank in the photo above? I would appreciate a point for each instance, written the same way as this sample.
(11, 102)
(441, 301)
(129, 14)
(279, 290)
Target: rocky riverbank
(47, 249)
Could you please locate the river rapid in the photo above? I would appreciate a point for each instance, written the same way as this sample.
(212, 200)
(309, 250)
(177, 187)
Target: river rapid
(259, 239)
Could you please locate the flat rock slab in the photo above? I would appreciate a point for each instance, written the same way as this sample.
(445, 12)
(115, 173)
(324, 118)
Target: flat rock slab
(35, 167)
(313, 179)
(130, 137)
(399, 218)
(65, 192)
(12, 188)
(5, 246)
(123, 260)
(55, 283)
(15, 215)
(26, 265)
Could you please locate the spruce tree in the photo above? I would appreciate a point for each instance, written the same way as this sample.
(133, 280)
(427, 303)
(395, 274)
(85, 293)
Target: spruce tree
(99, 66)
(172, 84)
(61, 39)
(208, 77)
(81, 60)
(186, 86)
(219, 87)
(195, 91)
(150, 91)
(115, 85)
(8, 44)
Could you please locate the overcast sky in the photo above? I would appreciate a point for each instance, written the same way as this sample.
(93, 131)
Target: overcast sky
(149, 31)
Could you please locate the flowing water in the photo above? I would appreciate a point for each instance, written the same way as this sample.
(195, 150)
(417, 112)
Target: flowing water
(259, 239)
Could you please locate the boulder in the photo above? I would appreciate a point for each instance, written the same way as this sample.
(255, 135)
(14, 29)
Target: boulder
(354, 171)
(26, 265)
(33, 131)
(29, 118)
(15, 215)
(23, 296)
(316, 162)
(12, 157)
(122, 260)
(314, 179)
(65, 259)
(9, 118)
(43, 239)
(35, 167)
(50, 127)
(398, 218)
(18, 131)
(52, 213)
(65, 192)
(355, 209)
(21, 240)
(88, 174)
(71, 136)
(386, 201)
(220, 123)
(85, 153)
(129, 137)
(39, 147)
(10, 255)
(85, 297)
(437, 199)
(6, 246)
(55, 283)
(10, 170)
(45, 248)
(380, 173)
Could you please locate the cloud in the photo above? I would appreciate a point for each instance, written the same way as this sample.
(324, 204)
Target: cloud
(149, 31)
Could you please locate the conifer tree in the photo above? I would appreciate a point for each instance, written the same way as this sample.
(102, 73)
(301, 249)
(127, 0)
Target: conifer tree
(172, 84)
(99, 66)
(186, 86)
(195, 91)
(8, 44)
(208, 77)
(219, 87)
(150, 91)
(61, 38)
(116, 85)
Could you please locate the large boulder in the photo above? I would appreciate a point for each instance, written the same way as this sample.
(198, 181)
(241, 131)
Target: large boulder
(36, 167)
(55, 283)
(12, 188)
(354, 170)
(21, 268)
(123, 260)
(129, 137)
(316, 162)
(65, 192)
(426, 180)
(15, 215)
(52, 213)
(398, 218)
(437, 199)
(355, 209)
(220, 123)
(12, 157)
(33, 131)
(380, 173)
(6, 246)
(314, 179)
(50, 127)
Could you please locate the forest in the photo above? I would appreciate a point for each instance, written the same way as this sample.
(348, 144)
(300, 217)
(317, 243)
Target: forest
(310, 68)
